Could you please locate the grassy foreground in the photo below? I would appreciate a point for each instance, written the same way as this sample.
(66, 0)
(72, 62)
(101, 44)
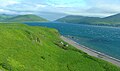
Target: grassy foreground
(27, 48)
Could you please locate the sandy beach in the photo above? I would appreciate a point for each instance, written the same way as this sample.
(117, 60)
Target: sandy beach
(92, 52)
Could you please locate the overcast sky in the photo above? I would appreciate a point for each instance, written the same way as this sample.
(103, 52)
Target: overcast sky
(74, 7)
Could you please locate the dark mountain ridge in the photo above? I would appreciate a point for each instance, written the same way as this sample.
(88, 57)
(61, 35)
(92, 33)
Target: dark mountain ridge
(110, 20)
(22, 18)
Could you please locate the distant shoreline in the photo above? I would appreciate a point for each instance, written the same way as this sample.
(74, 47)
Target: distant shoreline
(92, 52)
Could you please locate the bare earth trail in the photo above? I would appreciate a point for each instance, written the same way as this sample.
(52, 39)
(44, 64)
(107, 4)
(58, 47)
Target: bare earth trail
(92, 52)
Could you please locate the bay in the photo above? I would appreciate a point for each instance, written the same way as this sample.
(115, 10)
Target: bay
(100, 38)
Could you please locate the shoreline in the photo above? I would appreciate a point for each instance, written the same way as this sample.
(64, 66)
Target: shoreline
(92, 52)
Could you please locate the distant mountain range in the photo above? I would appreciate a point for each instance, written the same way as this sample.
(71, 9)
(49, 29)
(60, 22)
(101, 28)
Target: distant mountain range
(110, 20)
(21, 18)
(5, 16)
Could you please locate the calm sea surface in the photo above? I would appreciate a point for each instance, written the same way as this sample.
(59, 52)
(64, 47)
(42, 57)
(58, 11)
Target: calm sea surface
(101, 38)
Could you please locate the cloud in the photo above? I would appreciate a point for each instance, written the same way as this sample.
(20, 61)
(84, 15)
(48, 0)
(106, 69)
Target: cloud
(65, 3)
(40, 5)
(7, 11)
(76, 7)
(104, 6)
(110, 8)
(5, 3)
(26, 7)
(100, 8)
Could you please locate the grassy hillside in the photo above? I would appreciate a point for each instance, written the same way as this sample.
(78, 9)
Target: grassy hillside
(26, 18)
(27, 48)
(78, 19)
(114, 19)
(110, 20)
(5, 16)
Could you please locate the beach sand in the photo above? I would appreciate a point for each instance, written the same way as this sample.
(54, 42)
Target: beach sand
(92, 52)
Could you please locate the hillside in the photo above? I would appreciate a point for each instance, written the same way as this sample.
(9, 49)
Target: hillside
(110, 20)
(79, 19)
(27, 48)
(5, 16)
(114, 19)
(26, 18)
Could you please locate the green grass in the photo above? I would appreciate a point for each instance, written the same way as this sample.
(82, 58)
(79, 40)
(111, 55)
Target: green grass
(27, 48)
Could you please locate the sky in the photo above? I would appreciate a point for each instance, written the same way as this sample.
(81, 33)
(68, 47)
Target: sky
(99, 8)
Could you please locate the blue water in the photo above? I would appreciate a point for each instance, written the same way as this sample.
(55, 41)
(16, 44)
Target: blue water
(101, 38)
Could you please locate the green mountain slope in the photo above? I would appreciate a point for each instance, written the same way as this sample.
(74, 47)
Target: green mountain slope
(78, 19)
(5, 16)
(27, 48)
(111, 20)
(26, 18)
(114, 19)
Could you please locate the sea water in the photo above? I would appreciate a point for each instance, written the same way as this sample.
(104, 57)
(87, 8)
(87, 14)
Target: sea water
(101, 38)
